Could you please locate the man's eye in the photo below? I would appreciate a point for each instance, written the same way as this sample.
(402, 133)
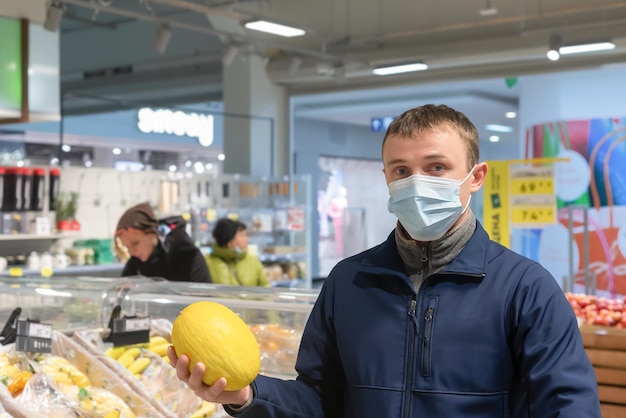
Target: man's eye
(401, 171)
(438, 167)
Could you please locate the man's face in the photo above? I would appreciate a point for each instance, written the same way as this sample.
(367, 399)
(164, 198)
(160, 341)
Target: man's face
(441, 153)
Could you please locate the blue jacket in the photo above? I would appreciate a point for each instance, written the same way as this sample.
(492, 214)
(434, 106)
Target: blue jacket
(491, 335)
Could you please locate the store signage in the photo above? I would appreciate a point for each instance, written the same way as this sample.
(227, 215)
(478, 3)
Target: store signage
(176, 122)
(381, 124)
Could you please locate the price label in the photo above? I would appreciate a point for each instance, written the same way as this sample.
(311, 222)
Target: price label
(40, 330)
(533, 215)
(532, 185)
(16, 272)
(46, 272)
(137, 324)
(211, 214)
(33, 337)
(130, 331)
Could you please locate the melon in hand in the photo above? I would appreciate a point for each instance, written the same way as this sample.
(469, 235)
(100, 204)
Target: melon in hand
(212, 334)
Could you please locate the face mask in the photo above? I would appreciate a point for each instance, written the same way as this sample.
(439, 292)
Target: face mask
(426, 206)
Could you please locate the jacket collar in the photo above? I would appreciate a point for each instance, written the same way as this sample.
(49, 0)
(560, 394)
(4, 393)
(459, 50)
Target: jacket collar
(385, 259)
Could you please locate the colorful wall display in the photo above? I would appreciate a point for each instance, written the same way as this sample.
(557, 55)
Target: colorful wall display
(591, 185)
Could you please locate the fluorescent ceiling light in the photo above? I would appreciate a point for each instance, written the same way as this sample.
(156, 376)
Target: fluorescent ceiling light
(582, 48)
(510, 115)
(494, 138)
(274, 28)
(398, 69)
(498, 128)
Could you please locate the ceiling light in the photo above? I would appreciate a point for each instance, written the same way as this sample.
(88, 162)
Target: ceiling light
(116, 151)
(582, 48)
(66, 148)
(398, 69)
(554, 49)
(162, 38)
(274, 28)
(510, 115)
(54, 14)
(498, 128)
(494, 138)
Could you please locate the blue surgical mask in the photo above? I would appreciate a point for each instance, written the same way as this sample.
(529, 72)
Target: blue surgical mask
(426, 206)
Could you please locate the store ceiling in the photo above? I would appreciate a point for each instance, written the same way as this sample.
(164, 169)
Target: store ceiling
(470, 47)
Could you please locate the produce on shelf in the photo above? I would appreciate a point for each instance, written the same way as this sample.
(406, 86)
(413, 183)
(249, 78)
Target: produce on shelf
(211, 333)
(74, 384)
(49, 385)
(278, 345)
(598, 310)
(145, 369)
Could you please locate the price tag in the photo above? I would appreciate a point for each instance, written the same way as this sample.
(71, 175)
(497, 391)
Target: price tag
(46, 272)
(533, 215)
(33, 337)
(532, 185)
(15, 272)
(130, 331)
(211, 214)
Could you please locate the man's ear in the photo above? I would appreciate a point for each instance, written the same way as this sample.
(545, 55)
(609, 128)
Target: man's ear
(478, 176)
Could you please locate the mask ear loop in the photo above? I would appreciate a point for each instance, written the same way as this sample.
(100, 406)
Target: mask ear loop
(470, 196)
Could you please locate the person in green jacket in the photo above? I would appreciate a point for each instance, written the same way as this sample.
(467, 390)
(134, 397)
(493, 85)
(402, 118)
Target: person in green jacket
(229, 261)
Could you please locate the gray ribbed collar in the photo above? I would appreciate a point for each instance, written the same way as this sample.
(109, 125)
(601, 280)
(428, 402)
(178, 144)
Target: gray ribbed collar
(439, 252)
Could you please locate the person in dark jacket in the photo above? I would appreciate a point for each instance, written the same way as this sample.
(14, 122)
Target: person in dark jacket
(158, 248)
(438, 320)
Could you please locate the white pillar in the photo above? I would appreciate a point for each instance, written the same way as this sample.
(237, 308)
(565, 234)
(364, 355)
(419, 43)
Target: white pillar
(256, 120)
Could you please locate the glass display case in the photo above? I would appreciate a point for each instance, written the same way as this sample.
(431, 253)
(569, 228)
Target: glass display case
(276, 315)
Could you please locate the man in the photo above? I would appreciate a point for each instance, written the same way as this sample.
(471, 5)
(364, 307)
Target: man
(438, 321)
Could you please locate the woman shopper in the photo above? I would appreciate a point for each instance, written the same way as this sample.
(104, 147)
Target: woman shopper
(158, 247)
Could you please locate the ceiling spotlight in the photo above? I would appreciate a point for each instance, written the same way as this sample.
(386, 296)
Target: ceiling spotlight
(230, 54)
(494, 138)
(54, 14)
(488, 10)
(554, 50)
(510, 115)
(162, 38)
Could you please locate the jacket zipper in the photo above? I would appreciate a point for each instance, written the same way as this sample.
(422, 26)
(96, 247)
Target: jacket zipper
(414, 329)
(428, 332)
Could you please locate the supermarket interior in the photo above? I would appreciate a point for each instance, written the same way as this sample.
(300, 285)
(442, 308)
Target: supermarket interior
(187, 106)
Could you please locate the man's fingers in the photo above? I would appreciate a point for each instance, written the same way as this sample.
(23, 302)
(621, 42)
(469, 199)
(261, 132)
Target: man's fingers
(182, 368)
(171, 355)
(195, 379)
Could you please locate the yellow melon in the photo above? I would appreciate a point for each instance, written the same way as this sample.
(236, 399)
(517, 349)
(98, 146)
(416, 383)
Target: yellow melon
(211, 333)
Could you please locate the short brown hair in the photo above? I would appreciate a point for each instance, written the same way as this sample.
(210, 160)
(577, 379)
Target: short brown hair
(433, 117)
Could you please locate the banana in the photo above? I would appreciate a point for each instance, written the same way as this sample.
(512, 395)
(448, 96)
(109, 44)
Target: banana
(206, 410)
(160, 349)
(112, 414)
(139, 365)
(115, 352)
(129, 356)
(79, 379)
(59, 377)
(157, 340)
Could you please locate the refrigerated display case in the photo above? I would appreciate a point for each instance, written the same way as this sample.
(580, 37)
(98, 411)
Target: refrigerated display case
(277, 316)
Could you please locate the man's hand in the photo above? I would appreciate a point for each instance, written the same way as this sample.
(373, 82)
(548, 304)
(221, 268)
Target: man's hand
(214, 393)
